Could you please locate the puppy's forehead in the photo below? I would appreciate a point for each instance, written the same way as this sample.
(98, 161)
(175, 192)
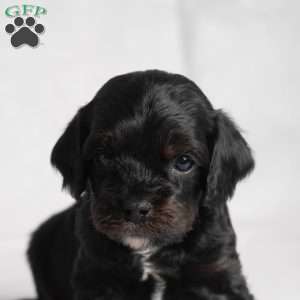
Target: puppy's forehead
(141, 94)
(156, 117)
(143, 99)
(142, 115)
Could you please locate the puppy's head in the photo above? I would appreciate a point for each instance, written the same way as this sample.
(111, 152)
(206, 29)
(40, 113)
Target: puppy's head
(150, 150)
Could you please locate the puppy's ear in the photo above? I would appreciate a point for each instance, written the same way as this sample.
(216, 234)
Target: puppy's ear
(231, 159)
(67, 154)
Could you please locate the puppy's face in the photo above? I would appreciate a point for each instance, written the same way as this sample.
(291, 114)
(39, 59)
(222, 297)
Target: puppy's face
(146, 151)
(149, 168)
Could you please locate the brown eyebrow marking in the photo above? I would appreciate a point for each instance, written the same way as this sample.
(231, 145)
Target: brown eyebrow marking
(178, 143)
(174, 144)
(104, 137)
(170, 151)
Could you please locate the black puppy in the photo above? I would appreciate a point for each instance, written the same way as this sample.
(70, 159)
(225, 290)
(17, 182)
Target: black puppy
(151, 165)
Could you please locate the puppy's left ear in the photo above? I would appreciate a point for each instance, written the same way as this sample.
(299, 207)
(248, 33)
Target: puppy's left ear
(231, 159)
(67, 154)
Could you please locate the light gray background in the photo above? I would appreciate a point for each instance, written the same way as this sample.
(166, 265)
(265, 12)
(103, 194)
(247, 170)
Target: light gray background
(243, 54)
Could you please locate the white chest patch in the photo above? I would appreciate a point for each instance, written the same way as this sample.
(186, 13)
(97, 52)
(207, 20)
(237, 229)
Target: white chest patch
(141, 247)
(149, 269)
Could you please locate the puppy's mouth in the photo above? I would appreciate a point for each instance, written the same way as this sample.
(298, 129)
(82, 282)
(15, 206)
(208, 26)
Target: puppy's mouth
(167, 223)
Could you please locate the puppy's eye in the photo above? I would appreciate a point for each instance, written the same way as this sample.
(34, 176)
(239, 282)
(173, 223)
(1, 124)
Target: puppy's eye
(183, 163)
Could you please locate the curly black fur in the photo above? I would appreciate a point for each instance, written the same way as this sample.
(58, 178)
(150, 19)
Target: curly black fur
(118, 152)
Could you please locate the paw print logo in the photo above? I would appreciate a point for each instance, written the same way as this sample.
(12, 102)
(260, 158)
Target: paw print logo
(24, 33)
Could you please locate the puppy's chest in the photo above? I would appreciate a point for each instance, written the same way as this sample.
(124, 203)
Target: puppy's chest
(149, 269)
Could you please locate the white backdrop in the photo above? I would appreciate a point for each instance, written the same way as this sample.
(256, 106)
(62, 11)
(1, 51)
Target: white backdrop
(243, 54)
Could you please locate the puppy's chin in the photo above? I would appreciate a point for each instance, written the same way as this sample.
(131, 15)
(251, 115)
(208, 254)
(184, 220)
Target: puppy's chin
(132, 235)
(168, 224)
(139, 239)
(137, 243)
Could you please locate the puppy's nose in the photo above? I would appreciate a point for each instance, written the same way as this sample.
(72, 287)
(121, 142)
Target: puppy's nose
(137, 211)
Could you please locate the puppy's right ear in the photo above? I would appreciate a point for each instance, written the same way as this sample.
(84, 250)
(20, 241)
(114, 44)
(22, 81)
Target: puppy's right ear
(67, 154)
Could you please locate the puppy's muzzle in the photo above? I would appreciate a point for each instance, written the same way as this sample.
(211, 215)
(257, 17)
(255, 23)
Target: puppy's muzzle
(137, 212)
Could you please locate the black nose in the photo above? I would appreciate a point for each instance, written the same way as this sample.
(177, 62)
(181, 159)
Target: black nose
(137, 211)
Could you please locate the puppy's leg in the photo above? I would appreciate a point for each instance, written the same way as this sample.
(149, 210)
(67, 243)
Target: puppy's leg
(203, 293)
(110, 292)
(96, 280)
